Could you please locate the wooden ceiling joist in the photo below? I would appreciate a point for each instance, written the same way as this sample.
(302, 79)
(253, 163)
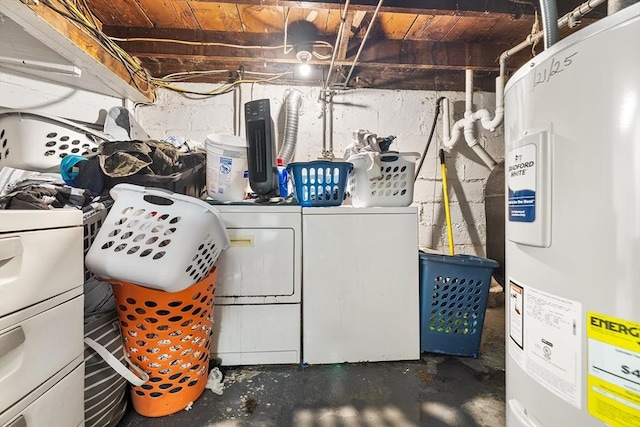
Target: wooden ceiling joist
(376, 53)
(412, 45)
(431, 7)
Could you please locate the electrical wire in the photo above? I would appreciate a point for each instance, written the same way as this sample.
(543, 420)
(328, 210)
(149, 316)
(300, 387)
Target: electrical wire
(187, 75)
(287, 47)
(433, 128)
(190, 43)
(225, 88)
(133, 68)
(87, 21)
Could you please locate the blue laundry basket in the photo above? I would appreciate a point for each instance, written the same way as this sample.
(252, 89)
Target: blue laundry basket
(453, 299)
(320, 182)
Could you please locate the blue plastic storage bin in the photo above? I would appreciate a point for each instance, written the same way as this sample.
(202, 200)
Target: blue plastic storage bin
(453, 298)
(319, 182)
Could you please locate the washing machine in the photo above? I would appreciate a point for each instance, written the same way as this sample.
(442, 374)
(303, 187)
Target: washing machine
(572, 154)
(360, 284)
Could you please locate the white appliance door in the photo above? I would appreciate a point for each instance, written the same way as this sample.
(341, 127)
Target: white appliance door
(259, 262)
(360, 284)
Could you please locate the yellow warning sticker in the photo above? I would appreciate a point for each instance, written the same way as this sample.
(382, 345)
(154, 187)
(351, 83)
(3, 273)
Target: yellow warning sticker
(613, 380)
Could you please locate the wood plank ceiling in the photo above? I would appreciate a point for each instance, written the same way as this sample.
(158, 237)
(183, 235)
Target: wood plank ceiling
(410, 45)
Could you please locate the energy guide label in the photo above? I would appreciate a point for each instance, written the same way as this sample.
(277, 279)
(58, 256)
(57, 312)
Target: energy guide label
(521, 176)
(614, 370)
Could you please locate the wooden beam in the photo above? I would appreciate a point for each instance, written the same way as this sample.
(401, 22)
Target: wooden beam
(78, 46)
(402, 54)
(383, 77)
(346, 36)
(431, 7)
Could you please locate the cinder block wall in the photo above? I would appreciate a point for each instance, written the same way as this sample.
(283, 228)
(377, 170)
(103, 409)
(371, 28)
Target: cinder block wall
(406, 114)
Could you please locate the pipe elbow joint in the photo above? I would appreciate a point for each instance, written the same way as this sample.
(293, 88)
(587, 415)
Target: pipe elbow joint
(449, 143)
(487, 122)
(469, 136)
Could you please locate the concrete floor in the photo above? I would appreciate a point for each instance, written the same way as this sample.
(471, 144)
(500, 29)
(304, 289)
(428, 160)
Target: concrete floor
(437, 390)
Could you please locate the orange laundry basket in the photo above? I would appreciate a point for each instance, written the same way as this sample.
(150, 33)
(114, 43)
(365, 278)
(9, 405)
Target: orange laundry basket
(168, 335)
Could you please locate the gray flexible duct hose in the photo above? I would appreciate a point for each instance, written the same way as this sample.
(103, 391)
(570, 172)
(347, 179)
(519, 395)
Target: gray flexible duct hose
(292, 105)
(549, 22)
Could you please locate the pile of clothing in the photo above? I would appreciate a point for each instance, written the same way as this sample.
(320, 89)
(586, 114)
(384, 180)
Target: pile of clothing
(20, 189)
(82, 180)
(118, 160)
(369, 146)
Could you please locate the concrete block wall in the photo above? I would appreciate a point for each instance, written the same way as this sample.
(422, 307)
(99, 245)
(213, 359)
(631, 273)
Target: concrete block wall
(406, 114)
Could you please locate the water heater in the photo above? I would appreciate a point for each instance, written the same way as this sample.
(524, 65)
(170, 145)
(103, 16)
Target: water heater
(572, 164)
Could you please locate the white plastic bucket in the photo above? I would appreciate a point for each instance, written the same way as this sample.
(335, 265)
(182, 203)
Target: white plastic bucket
(226, 167)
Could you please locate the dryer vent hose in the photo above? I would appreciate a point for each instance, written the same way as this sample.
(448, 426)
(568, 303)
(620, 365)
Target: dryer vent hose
(292, 105)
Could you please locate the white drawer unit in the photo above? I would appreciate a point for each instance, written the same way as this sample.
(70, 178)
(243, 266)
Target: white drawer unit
(41, 318)
(36, 265)
(258, 292)
(37, 342)
(51, 404)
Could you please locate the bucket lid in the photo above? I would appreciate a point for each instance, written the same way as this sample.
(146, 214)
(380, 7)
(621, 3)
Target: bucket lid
(226, 142)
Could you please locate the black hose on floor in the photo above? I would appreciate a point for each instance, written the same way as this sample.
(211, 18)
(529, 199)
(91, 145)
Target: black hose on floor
(433, 128)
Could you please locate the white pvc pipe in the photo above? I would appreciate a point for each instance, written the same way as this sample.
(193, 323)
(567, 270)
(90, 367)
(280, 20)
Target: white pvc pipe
(468, 90)
(445, 120)
(486, 157)
(450, 138)
(485, 116)
(450, 135)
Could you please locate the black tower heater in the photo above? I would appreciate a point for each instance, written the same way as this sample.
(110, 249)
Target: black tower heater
(261, 151)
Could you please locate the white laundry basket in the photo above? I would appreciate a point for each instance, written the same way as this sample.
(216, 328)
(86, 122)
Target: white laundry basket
(158, 239)
(394, 188)
(38, 142)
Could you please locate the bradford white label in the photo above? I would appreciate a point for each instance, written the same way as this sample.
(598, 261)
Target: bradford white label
(521, 176)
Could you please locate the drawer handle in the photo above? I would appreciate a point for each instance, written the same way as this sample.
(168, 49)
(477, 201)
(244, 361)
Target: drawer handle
(241, 241)
(10, 248)
(11, 340)
(19, 422)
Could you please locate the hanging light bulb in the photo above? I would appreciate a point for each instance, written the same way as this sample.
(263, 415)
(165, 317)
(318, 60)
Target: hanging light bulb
(304, 69)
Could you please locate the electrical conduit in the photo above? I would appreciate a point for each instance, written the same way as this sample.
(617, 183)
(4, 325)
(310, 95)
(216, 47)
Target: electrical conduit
(549, 22)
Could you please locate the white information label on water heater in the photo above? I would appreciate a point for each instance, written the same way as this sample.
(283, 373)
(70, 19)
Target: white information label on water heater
(552, 343)
(529, 190)
(522, 184)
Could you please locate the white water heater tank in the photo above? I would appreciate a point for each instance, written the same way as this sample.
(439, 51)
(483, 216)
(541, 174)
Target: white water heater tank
(572, 164)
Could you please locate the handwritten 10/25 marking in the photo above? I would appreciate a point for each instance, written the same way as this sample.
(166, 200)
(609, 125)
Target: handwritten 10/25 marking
(556, 66)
